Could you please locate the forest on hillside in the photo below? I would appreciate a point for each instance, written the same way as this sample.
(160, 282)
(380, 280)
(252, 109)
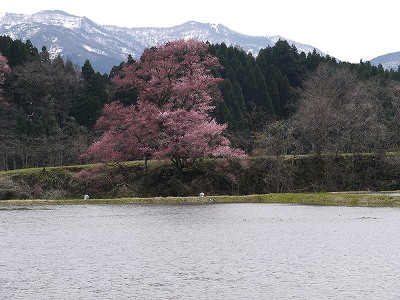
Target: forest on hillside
(278, 103)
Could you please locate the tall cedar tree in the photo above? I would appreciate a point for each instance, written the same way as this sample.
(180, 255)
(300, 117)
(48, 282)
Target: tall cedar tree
(175, 89)
(94, 96)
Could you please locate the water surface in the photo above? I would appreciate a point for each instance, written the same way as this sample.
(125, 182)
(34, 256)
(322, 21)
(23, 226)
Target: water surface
(207, 251)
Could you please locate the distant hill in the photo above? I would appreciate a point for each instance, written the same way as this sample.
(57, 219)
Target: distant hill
(388, 61)
(79, 38)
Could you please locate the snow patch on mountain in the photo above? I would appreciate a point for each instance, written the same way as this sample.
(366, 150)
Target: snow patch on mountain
(55, 49)
(94, 50)
(215, 26)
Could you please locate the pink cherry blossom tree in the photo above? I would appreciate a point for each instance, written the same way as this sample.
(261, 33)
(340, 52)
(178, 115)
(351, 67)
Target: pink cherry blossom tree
(171, 119)
(4, 68)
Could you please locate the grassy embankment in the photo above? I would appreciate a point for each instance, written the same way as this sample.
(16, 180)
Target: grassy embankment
(332, 199)
(329, 199)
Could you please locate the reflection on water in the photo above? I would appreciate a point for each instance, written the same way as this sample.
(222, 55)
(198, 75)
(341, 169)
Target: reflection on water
(209, 251)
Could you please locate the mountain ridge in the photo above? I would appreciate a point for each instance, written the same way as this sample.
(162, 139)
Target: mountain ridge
(79, 38)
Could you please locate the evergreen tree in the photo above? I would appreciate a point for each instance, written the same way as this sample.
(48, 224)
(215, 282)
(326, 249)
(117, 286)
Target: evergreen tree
(223, 112)
(285, 97)
(287, 60)
(5, 47)
(33, 51)
(241, 112)
(45, 55)
(274, 94)
(262, 98)
(93, 98)
(17, 53)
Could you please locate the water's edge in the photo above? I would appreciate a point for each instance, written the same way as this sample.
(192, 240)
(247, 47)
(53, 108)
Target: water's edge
(386, 199)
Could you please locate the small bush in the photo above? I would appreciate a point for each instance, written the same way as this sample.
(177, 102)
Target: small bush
(10, 189)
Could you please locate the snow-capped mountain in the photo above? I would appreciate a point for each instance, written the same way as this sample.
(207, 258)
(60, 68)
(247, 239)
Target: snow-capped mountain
(388, 61)
(79, 38)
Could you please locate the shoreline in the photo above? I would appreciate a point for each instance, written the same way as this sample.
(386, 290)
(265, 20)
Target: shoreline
(327, 199)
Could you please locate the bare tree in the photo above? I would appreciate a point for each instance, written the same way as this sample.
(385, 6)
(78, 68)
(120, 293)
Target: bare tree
(388, 95)
(338, 114)
(275, 139)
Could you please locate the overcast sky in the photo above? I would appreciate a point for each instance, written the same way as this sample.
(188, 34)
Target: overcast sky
(349, 30)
